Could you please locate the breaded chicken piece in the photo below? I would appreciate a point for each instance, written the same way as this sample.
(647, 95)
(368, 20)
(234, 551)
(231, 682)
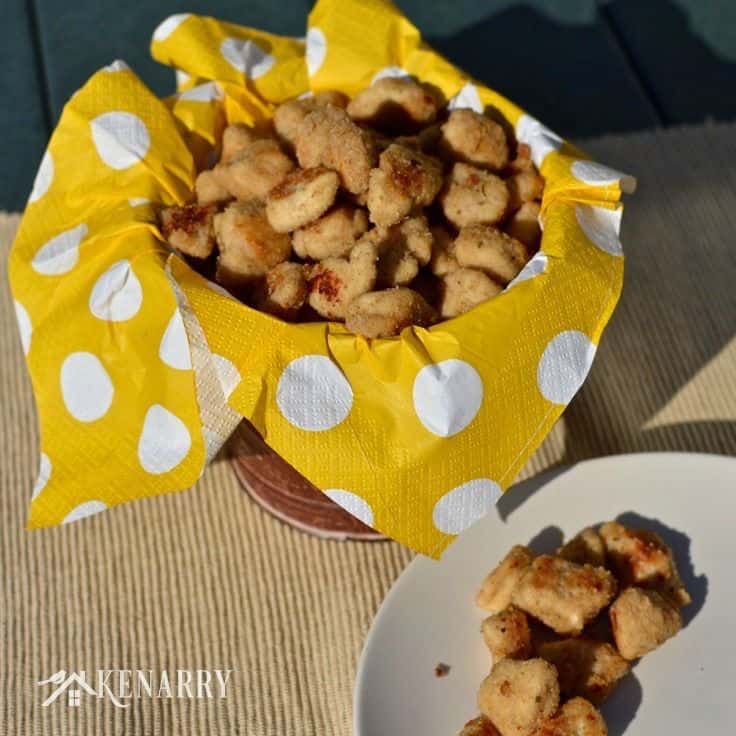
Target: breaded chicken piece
(495, 591)
(405, 179)
(472, 195)
(284, 290)
(590, 669)
(475, 139)
(577, 717)
(387, 313)
(642, 620)
(443, 260)
(524, 226)
(519, 695)
(507, 634)
(402, 249)
(209, 190)
(335, 282)
(479, 726)
(640, 557)
(235, 139)
(463, 289)
(523, 187)
(328, 137)
(585, 548)
(248, 245)
(522, 161)
(394, 105)
(490, 250)
(255, 171)
(288, 116)
(189, 229)
(300, 198)
(333, 235)
(563, 595)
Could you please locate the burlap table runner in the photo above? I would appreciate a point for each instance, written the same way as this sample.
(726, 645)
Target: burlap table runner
(204, 579)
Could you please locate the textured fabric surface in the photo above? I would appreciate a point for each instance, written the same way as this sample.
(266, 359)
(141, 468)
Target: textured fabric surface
(204, 579)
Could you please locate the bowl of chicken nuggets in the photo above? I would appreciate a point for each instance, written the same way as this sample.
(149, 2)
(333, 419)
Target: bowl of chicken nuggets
(382, 211)
(587, 607)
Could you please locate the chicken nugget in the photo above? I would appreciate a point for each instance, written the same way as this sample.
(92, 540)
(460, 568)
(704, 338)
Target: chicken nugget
(335, 282)
(563, 595)
(395, 105)
(284, 290)
(255, 171)
(577, 717)
(586, 547)
(301, 198)
(405, 179)
(472, 195)
(248, 245)
(474, 139)
(288, 116)
(463, 289)
(189, 229)
(495, 591)
(519, 695)
(490, 250)
(208, 189)
(479, 726)
(235, 139)
(387, 313)
(443, 260)
(640, 557)
(333, 235)
(522, 161)
(523, 187)
(507, 634)
(402, 249)
(524, 226)
(328, 137)
(590, 669)
(642, 620)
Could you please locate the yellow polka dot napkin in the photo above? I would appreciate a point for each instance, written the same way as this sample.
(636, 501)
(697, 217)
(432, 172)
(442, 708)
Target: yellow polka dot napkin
(141, 367)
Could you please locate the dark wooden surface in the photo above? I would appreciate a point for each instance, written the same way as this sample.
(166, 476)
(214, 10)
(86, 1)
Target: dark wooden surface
(586, 67)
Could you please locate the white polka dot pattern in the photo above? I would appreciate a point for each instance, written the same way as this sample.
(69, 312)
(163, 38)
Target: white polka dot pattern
(117, 66)
(168, 26)
(391, 71)
(447, 396)
(316, 50)
(352, 503)
(536, 265)
(313, 394)
(25, 328)
(465, 504)
(164, 442)
(247, 57)
(467, 97)
(601, 227)
(599, 175)
(86, 387)
(44, 473)
(88, 508)
(208, 92)
(538, 137)
(121, 139)
(227, 373)
(174, 346)
(61, 253)
(564, 365)
(117, 294)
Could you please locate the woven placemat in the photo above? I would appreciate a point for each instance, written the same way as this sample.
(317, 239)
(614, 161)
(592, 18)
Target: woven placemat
(206, 579)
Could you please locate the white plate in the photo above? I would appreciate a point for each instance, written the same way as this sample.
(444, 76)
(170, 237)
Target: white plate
(686, 687)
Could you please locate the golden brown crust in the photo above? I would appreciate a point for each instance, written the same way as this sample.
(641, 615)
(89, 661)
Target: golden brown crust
(519, 695)
(524, 186)
(189, 229)
(209, 190)
(284, 290)
(524, 226)
(333, 235)
(495, 591)
(479, 726)
(300, 198)
(643, 620)
(394, 105)
(328, 137)
(577, 717)
(588, 668)
(563, 595)
(474, 139)
(585, 548)
(386, 313)
(235, 139)
(507, 634)
(463, 289)
(472, 195)
(490, 250)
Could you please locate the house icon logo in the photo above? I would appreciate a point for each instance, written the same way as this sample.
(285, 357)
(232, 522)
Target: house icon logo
(72, 684)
